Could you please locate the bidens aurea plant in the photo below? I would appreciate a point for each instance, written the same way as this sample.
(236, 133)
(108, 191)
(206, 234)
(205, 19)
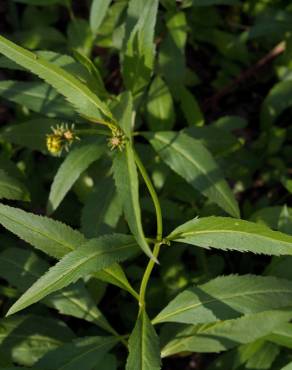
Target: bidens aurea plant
(139, 285)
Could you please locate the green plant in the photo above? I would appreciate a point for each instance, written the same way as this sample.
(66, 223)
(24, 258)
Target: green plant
(153, 198)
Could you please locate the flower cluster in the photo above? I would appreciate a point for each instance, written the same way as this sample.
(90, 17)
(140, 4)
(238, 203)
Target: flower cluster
(117, 140)
(61, 139)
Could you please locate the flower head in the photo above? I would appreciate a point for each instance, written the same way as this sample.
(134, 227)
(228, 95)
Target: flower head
(62, 138)
(117, 140)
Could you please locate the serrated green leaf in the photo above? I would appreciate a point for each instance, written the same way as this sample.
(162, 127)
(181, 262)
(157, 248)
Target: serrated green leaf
(144, 352)
(77, 93)
(12, 188)
(139, 49)
(222, 335)
(37, 96)
(95, 255)
(227, 297)
(232, 234)
(62, 60)
(21, 268)
(75, 163)
(82, 353)
(50, 236)
(126, 176)
(192, 161)
(31, 337)
(98, 12)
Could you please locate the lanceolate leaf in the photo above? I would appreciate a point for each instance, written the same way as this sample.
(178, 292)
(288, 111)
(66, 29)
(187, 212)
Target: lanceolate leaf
(221, 335)
(75, 163)
(53, 238)
(126, 176)
(11, 188)
(93, 256)
(82, 353)
(50, 236)
(232, 234)
(191, 160)
(21, 268)
(77, 93)
(227, 297)
(144, 351)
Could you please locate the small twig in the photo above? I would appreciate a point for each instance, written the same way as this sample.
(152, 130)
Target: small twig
(244, 75)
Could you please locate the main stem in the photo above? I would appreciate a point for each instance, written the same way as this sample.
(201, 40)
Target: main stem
(157, 245)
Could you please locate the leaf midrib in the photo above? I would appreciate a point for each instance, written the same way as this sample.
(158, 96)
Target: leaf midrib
(182, 235)
(38, 232)
(75, 267)
(227, 297)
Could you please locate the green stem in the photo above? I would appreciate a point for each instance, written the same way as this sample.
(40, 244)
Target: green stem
(147, 275)
(156, 249)
(153, 195)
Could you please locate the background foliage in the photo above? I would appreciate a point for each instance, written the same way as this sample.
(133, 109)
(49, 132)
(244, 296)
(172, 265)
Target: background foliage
(198, 92)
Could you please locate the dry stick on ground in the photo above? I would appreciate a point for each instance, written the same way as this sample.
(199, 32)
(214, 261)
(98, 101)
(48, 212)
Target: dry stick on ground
(211, 102)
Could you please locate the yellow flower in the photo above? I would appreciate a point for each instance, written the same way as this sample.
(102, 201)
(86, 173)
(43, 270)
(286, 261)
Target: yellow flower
(54, 144)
